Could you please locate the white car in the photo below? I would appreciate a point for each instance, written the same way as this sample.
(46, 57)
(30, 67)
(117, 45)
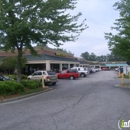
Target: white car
(48, 76)
(83, 71)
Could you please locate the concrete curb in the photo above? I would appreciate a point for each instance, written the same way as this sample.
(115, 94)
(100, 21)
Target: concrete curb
(25, 96)
(122, 86)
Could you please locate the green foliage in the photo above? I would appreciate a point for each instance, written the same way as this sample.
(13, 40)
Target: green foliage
(85, 55)
(10, 63)
(64, 50)
(10, 87)
(119, 43)
(102, 58)
(23, 25)
(31, 84)
(13, 87)
(24, 76)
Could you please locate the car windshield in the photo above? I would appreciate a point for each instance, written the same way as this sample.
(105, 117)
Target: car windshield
(51, 73)
(72, 70)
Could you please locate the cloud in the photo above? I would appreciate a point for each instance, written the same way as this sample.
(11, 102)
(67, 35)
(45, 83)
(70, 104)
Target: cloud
(100, 16)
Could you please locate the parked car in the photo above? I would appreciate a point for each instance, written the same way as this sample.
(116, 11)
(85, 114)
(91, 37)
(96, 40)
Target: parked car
(116, 69)
(3, 78)
(105, 68)
(83, 71)
(68, 74)
(49, 76)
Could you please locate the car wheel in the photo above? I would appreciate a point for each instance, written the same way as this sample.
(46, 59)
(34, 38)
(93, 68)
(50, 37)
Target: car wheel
(29, 79)
(54, 83)
(71, 77)
(82, 75)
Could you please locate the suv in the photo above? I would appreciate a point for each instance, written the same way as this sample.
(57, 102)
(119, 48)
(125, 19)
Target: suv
(49, 76)
(83, 71)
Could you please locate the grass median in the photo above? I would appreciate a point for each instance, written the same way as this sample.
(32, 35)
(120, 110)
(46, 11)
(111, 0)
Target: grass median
(13, 89)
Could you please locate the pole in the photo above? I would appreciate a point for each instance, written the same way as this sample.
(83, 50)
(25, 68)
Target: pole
(43, 84)
(122, 78)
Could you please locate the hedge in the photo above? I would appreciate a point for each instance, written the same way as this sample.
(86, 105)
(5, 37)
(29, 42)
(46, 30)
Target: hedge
(31, 84)
(10, 87)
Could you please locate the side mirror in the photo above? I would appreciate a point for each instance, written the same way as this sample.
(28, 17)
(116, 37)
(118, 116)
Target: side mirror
(67, 71)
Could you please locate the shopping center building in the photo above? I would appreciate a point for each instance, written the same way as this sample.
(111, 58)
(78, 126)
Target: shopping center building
(47, 59)
(57, 60)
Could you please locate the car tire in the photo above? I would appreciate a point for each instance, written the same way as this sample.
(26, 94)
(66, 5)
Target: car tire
(82, 75)
(54, 83)
(71, 77)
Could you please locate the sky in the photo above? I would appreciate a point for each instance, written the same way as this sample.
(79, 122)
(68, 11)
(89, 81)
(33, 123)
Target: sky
(100, 15)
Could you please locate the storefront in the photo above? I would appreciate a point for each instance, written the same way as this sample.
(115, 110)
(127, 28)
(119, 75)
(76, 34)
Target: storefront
(47, 59)
(49, 62)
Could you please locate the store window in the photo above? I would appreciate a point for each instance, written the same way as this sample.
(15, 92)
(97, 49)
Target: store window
(64, 66)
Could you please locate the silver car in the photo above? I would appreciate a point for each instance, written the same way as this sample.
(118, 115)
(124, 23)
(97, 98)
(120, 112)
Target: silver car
(47, 76)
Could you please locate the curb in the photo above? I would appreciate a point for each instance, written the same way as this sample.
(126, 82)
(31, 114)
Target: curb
(25, 96)
(122, 86)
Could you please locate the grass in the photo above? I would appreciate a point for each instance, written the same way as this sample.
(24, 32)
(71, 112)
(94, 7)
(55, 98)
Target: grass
(125, 76)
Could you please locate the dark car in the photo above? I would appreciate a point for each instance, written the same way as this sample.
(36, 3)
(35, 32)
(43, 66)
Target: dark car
(68, 74)
(3, 78)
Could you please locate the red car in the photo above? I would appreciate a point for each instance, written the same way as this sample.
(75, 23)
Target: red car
(105, 68)
(68, 74)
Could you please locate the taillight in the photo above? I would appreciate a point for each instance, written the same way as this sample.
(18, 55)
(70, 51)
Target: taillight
(47, 77)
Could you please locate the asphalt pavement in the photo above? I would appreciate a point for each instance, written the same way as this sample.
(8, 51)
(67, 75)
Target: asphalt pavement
(91, 103)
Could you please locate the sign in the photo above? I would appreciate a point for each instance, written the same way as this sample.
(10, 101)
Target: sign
(60, 54)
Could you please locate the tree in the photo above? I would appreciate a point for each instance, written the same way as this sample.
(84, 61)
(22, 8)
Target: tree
(85, 55)
(114, 57)
(24, 23)
(92, 57)
(119, 43)
(10, 63)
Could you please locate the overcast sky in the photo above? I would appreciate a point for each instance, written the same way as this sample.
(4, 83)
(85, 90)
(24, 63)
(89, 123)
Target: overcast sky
(100, 16)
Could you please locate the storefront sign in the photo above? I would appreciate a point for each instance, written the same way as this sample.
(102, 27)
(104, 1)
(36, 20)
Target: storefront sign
(60, 54)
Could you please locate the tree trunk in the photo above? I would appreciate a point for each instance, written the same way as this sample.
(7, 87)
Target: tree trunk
(19, 65)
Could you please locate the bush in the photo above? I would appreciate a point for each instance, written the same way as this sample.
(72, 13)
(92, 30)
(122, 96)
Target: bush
(24, 76)
(10, 87)
(31, 84)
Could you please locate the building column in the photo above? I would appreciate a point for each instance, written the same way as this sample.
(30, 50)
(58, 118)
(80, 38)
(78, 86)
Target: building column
(48, 65)
(69, 66)
(60, 66)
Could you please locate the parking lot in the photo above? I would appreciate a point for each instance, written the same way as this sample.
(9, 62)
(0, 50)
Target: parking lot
(90, 103)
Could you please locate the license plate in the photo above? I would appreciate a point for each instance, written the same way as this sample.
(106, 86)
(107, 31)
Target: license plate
(53, 77)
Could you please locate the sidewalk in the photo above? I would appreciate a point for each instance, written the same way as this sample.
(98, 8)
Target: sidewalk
(125, 85)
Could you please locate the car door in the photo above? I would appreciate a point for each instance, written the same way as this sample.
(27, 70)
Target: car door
(62, 74)
(34, 76)
(68, 73)
(39, 76)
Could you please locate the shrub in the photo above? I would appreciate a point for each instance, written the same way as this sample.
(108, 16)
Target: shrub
(31, 84)
(24, 76)
(3, 87)
(10, 87)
